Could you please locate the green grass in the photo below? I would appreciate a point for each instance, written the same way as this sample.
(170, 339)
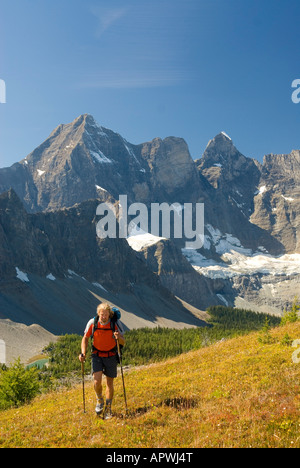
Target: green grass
(235, 393)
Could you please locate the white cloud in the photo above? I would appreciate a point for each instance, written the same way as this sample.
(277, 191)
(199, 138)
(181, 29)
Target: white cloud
(107, 17)
(126, 79)
(142, 63)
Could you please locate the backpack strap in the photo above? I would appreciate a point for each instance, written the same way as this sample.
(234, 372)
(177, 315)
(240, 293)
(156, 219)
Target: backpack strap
(95, 325)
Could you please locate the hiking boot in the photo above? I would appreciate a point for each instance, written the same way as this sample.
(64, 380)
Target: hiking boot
(108, 412)
(99, 407)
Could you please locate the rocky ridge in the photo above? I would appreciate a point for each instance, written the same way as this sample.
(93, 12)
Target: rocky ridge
(54, 271)
(252, 212)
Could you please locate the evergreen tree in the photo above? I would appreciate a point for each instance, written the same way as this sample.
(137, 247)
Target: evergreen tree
(18, 385)
(291, 316)
(264, 336)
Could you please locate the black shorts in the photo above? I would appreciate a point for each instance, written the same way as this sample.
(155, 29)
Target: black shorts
(107, 365)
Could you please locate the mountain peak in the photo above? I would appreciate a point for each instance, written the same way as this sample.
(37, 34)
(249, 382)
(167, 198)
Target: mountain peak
(227, 169)
(86, 119)
(221, 141)
(83, 120)
(223, 135)
(219, 150)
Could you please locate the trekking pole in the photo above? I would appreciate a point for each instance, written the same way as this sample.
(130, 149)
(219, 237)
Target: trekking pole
(83, 390)
(120, 359)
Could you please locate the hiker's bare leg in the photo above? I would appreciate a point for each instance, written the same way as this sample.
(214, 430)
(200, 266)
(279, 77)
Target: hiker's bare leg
(98, 390)
(98, 384)
(109, 388)
(109, 397)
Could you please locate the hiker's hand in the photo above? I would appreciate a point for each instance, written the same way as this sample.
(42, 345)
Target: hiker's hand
(81, 357)
(117, 335)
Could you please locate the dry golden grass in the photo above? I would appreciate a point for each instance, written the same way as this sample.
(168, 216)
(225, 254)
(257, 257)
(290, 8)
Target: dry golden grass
(235, 393)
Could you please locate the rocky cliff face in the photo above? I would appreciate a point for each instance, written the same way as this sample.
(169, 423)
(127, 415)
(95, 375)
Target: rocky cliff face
(266, 194)
(233, 179)
(82, 161)
(40, 255)
(277, 200)
(251, 210)
(231, 172)
(78, 162)
(63, 240)
(176, 274)
(173, 173)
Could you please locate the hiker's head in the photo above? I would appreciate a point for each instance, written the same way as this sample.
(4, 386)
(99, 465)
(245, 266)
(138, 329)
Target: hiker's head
(104, 311)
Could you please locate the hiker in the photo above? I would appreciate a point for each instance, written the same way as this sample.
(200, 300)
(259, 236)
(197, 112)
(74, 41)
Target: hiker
(105, 332)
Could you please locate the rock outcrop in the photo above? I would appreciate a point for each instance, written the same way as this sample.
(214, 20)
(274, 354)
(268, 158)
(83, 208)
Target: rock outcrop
(250, 209)
(277, 200)
(54, 270)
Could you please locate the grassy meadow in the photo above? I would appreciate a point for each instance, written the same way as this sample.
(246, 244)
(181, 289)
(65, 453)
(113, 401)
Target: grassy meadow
(240, 392)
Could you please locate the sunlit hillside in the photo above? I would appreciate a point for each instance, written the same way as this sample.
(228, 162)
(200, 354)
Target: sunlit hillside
(235, 393)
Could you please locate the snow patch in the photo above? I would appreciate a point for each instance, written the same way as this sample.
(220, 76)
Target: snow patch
(100, 157)
(261, 190)
(139, 239)
(225, 242)
(130, 152)
(51, 277)
(98, 285)
(236, 260)
(40, 173)
(237, 264)
(22, 276)
(288, 198)
(196, 259)
(100, 188)
(222, 299)
(226, 136)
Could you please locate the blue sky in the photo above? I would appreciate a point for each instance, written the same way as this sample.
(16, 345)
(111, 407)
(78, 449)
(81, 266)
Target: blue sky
(146, 69)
